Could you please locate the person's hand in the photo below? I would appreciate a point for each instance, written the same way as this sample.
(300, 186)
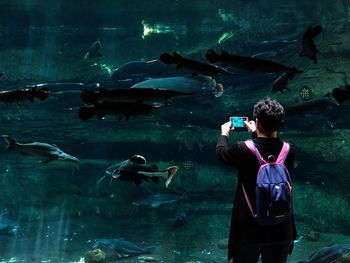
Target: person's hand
(250, 126)
(226, 128)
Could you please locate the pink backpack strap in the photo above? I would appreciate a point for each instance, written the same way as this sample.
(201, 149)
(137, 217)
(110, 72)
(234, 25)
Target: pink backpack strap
(251, 146)
(283, 154)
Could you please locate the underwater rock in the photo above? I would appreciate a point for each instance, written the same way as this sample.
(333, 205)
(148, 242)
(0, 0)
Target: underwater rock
(313, 236)
(329, 254)
(95, 256)
(223, 243)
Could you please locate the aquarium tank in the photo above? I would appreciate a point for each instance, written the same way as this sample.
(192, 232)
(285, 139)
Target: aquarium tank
(111, 110)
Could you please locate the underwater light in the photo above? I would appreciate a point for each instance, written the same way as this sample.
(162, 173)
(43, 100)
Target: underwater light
(305, 93)
(155, 29)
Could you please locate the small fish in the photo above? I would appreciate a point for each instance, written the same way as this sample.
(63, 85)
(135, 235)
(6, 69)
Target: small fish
(121, 109)
(329, 254)
(7, 226)
(119, 248)
(48, 152)
(136, 170)
(18, 95)
(94, 51)
(197, 68)
(143, 95)
(159, 199)
(248, 63)
(308, 44)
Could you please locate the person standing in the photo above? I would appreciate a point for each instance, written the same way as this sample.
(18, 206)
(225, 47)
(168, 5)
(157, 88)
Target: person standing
(249, 238)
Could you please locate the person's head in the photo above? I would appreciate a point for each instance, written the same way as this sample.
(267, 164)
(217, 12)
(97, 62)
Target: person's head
(269, 115)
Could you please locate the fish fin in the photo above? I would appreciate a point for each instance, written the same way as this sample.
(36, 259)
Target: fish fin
(86, 113)
(138, 159)
(101, 179)
(171, 172)
(167, 58)
(115, 175)
(11, 142)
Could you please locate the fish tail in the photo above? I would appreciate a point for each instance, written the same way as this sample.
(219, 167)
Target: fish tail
(171, 172)
(88, 96)
(11, 143)
(86, 113)
(212, 56)
(167, 58)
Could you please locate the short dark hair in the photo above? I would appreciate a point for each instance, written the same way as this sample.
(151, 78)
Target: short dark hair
(270, 114)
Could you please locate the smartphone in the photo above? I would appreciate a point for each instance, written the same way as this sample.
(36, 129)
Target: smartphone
(238, 123)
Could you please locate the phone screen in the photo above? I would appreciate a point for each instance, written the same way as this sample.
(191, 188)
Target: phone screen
(238, 122)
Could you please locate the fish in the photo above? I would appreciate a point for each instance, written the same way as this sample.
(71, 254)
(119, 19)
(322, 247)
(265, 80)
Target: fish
(136, 170)
(143, 70)
(159, 199)
(121, 109)
(329, 254)
(57, 88)
(48, 152)
(281, 83)
(145, 95)
(18, 95)
(197, 67)
(119, 248)
(249, 63)
(309, 47)
(94, 51)
(7, 226)
(320, 103)
(200, 85)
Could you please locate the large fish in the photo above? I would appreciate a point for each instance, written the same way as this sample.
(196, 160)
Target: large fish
(143, 69)
(197, 67)
(118, 248)
(201, 85)
(248, 63)
(18, 95)
(144, 95)
(330, 254)
(136, 170)
(120, 109)
(319, 104)
(48, 152)
(308, 44)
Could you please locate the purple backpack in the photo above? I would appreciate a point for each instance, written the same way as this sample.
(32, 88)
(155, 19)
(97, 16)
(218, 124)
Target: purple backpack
(273, 188)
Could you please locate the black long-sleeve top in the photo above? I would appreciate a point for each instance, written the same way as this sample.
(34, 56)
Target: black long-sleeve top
(243, 228)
